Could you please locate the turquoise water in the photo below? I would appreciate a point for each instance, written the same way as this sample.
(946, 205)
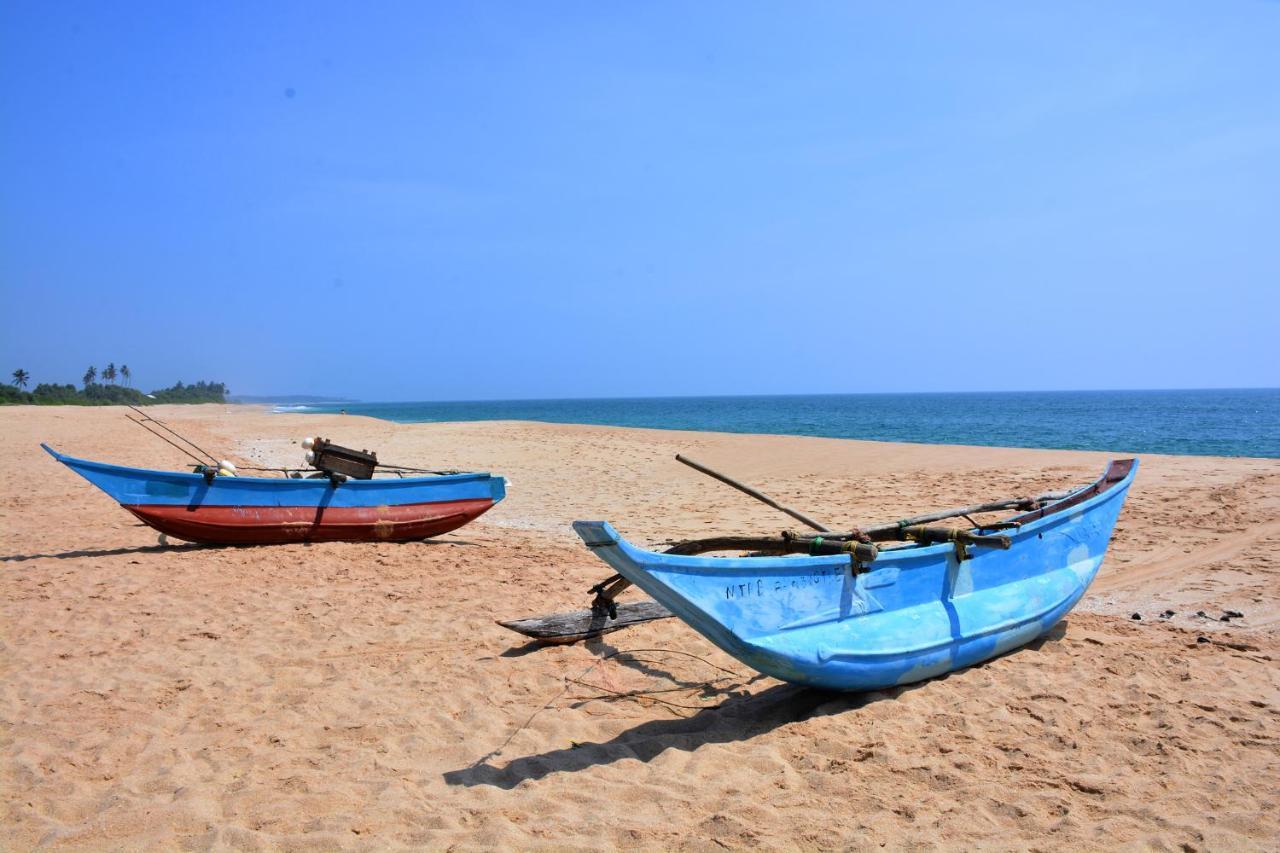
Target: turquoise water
(1205, 423)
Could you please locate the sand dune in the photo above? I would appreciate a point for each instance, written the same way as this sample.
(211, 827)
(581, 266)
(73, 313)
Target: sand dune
(348, 696)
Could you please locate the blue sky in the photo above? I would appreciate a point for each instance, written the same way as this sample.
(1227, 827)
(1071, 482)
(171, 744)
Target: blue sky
(483, 200)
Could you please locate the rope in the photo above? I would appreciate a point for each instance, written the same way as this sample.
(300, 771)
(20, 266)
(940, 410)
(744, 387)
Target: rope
(417, 470)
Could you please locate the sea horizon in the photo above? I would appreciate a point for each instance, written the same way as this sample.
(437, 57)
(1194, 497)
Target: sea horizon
(1197, 422)
(324, 399)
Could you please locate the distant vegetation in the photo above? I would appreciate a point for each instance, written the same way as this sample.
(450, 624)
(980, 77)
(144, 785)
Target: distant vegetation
(199, 392)
(287, 399)
(107, 392)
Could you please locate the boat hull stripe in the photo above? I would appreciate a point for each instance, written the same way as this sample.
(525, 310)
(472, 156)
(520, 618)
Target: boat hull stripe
(258, 525)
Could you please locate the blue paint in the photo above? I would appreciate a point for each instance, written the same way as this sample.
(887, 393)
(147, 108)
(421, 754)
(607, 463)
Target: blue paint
(1206, 423)
(916, 614)
(137, 486)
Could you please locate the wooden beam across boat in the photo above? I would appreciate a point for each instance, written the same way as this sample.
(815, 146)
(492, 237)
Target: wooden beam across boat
(787, 543)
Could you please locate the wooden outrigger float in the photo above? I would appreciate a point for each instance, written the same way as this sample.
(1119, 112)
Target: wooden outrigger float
(866, 608)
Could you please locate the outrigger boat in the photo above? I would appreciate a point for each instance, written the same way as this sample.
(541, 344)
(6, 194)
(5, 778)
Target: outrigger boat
(864, 609)
(339, 499)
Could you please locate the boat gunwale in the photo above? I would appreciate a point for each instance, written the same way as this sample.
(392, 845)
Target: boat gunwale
(109, 467)
(1047, 519)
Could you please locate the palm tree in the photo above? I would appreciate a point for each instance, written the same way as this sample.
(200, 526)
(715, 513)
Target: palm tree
(109, 372)
(90, 375)
(124, 373)
(20, 378)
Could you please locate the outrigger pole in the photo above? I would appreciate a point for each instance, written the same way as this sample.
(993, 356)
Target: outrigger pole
(888, 531)
(893, 529)
(755, 493)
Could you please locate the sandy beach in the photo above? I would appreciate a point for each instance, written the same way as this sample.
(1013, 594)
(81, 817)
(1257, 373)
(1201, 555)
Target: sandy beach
(360, 696)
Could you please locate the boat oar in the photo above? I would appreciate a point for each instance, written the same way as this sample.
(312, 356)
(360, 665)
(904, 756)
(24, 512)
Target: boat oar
(755, 493)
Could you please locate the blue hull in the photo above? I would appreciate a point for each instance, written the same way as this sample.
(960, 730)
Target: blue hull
(134, 486)
(915, 613)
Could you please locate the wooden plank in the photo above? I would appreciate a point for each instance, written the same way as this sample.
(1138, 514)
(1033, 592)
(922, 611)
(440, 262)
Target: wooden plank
(583, 624)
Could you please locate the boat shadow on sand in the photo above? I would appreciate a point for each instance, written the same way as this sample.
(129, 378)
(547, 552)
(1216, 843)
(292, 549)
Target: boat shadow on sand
(99, 552)
(191, 547)
(742, 716)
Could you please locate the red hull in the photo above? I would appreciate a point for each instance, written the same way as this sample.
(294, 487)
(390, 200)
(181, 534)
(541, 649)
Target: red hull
(268, 525)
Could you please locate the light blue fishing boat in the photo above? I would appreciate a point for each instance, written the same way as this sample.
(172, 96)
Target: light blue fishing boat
(852, 615)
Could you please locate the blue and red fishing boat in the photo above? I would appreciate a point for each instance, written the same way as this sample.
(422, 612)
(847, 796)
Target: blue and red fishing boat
(865, 609)
(211, 507)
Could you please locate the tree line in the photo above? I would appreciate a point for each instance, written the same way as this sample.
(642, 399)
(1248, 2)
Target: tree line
(107, 392)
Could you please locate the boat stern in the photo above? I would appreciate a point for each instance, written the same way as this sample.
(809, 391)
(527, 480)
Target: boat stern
(674, 582)
(497, 488)
(596, 534)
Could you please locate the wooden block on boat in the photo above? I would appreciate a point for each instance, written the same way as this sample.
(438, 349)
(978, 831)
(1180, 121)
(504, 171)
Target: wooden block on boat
(583, 624)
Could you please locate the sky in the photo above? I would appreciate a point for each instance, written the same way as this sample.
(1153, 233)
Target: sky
(448, 201)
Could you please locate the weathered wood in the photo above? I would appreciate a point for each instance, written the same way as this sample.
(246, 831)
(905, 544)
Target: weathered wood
(755, 493)
(863, 552)
(583, 624)
(893, 529)
(929, 535)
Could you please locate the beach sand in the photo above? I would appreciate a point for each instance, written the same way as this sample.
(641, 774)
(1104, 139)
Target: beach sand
(360, 696)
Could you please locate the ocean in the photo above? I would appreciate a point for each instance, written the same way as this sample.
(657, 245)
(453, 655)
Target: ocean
(1203, 423)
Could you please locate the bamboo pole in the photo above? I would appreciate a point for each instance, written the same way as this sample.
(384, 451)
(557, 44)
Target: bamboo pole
(1028, 503)
(755, 493)
(863, 552)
